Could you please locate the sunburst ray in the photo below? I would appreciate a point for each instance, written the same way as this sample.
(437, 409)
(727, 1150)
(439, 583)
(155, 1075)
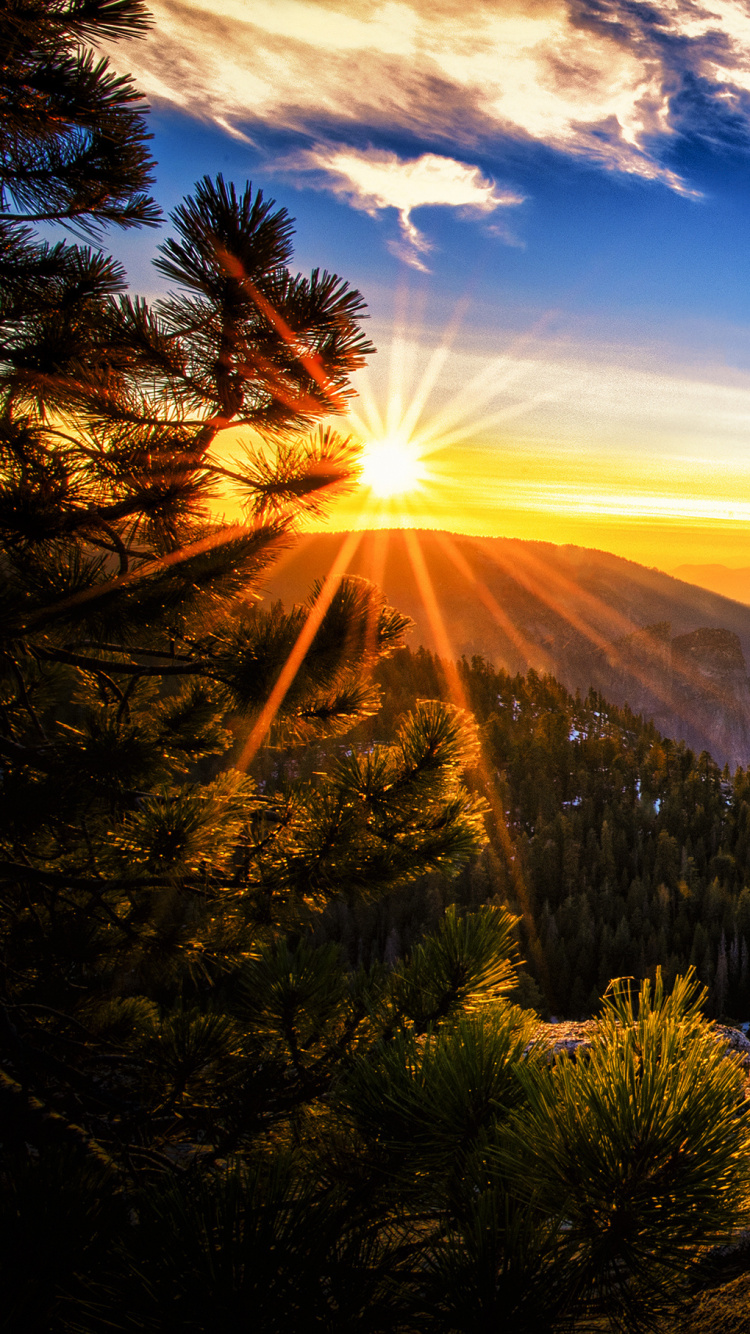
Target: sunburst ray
(284, 680)
(456, 689)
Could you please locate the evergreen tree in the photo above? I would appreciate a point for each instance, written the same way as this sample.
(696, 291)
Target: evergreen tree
(151, 888)
(72, 132)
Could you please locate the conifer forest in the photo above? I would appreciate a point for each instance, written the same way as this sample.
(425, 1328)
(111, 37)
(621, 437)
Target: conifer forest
(278, 920)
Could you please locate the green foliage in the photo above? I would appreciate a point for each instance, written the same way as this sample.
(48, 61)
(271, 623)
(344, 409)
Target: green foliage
(163, 1008)
(620, 850)
(493, 1269)
(73, 136)
(425, 1103)
(296, 997)
(466, 964)
(59, 1219)
(249, 1247)
(189, 1053)
(639, 1145)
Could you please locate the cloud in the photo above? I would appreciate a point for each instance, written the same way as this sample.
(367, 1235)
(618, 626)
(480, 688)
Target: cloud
(612, 81)
(373, 179)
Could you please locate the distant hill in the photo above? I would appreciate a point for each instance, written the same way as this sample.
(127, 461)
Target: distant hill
(719, 579)
(674, 652)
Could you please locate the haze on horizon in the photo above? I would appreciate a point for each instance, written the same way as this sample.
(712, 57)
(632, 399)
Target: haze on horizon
(545, 206)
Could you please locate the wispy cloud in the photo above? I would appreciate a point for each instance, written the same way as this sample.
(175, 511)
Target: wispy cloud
(573, 400)
(610, 80)
(373, 179)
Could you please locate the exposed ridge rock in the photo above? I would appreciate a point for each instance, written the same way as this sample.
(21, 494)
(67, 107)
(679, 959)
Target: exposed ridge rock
(570, 1036)
(694, 686)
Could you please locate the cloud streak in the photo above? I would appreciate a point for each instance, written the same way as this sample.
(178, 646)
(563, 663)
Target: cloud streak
(687, 423)
(612, 81)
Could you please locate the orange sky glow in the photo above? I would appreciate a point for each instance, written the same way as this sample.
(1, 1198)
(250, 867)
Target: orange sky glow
(545, 212)
(589, 501)
(571, 448)
(492, 458)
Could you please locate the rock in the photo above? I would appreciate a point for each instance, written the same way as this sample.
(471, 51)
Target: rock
(569, 1037)
(694, 686)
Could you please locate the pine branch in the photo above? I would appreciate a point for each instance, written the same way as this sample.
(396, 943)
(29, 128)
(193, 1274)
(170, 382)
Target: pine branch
(192, 668)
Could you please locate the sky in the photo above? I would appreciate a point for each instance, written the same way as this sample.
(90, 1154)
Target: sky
(547, 209)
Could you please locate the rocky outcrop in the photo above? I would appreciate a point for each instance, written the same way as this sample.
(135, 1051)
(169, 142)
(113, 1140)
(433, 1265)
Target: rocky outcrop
(570, 1037)
(715, 654)
(694, 686)
(710, 682)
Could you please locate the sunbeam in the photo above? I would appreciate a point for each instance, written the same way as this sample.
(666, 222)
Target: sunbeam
(513, 441)
(534, 655)
(621, 625)
(409, 444)
(400, 437)
(536, 578)
(553, 589)
(293, 663)
(144, 571)
(446, 652)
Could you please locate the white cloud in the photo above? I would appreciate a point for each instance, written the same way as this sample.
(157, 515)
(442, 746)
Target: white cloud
(372, 180)
(598, 79)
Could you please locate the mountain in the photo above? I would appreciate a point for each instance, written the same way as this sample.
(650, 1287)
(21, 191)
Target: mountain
(672, 651)
(718, 578)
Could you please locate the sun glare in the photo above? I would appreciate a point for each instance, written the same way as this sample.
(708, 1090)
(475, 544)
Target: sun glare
(391, 467)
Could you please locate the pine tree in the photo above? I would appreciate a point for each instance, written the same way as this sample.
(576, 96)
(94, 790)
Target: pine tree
(156, 897)
(72, 132)
(639, 1147)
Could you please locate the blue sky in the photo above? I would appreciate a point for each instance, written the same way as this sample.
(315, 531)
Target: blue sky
(574, 176)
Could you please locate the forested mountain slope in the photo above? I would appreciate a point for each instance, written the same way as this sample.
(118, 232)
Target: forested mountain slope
(673, 652)
(626, 849)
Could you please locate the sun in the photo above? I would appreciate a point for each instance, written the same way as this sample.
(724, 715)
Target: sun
(391, 467)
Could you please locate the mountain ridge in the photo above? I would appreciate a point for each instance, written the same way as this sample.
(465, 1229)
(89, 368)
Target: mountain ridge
(730, 582)
(586, 616)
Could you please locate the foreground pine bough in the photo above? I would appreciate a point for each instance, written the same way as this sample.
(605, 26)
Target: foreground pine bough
(442, 1176)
